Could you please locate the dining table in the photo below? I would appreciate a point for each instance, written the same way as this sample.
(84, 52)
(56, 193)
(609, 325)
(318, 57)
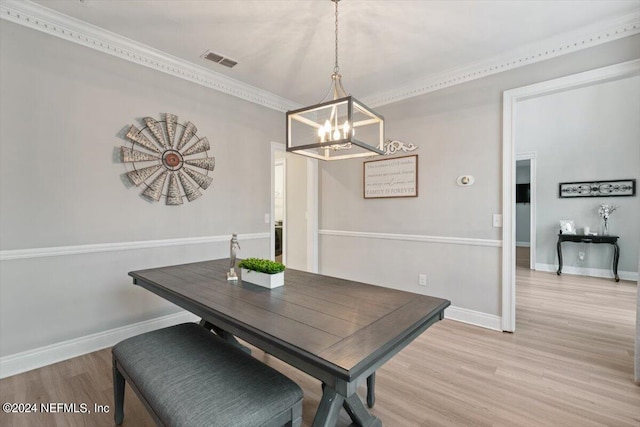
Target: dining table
(337, 330)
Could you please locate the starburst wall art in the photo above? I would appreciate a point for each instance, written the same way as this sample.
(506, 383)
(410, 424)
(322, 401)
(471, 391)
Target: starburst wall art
(168, 160)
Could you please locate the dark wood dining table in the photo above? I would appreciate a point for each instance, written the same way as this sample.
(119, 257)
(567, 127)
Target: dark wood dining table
(338, 331)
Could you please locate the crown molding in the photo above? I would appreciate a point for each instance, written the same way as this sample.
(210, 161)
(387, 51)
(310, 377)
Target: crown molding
(43, 19)
(33, 15)
(586, 37)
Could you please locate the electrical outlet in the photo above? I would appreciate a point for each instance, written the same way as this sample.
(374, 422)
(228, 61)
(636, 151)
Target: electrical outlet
(422, 279)
(581, 256)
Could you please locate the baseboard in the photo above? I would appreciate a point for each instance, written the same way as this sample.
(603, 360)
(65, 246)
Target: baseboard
(32, 359)
(37, 358)
(591, 272)
(476, 318)
(523, 244)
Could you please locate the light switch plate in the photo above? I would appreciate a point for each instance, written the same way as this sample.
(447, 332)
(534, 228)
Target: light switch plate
(267, 218)
(497, 220)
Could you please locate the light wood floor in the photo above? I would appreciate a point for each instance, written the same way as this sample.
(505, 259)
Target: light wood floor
(570, 363)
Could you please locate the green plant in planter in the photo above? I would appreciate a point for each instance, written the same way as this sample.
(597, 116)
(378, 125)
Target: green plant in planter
(262, 265)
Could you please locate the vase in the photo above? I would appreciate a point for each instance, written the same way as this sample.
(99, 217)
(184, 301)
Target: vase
(605, 226)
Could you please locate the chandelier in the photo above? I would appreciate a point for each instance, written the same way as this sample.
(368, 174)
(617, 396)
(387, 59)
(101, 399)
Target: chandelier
(339, 127)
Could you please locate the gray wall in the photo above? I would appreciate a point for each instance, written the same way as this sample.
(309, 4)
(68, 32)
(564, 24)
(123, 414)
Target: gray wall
(523, 210)
(62, 111)
(583, 134)
(459, 131)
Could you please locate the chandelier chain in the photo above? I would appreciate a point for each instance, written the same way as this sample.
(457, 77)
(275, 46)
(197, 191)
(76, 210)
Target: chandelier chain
(336, 68)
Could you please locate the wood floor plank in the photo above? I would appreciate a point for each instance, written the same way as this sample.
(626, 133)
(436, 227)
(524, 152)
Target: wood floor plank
(569, 363)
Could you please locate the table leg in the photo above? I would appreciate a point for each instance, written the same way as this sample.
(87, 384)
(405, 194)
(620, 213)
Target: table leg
(359, 413)
(559, 258)
(329, 408)
(616, 257)
(371, 390)
(224, 335)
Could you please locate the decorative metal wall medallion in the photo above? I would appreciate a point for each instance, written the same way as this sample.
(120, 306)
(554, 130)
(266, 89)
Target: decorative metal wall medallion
(394, 146)
(616, 188)
(168, 159)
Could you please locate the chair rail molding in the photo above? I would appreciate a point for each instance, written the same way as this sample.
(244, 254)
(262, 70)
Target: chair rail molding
(509, 117)
(413, 238)
(15, 254)
(51, 22)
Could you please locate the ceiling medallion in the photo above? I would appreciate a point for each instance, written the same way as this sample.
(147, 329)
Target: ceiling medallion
(327, 130)
(168, 159)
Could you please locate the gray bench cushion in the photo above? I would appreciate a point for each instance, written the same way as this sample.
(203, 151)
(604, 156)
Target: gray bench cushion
(191, 377)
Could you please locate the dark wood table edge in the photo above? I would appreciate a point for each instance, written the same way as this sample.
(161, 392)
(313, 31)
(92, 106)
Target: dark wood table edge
(280, 349)
(385, 352)
(339, 384)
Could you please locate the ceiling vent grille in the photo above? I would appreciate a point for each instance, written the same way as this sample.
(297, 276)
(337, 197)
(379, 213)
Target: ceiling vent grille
(219, 59)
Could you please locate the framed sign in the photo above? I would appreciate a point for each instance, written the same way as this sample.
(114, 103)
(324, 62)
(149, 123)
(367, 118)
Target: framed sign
(617, 188)
(396, 177)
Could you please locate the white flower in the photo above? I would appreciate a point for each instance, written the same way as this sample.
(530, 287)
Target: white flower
(605, 210)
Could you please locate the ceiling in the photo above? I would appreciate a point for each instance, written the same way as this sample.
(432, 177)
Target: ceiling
(286, 47)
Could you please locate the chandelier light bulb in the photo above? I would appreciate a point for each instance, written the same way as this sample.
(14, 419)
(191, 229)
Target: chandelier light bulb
(336, 134)
(321, 133)
(327, 127)
(345, 129)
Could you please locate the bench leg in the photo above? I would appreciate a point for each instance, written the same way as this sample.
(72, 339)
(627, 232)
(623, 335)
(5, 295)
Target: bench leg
(118, 394)
(296, 416)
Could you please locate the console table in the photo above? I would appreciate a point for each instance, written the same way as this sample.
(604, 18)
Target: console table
(581, 238)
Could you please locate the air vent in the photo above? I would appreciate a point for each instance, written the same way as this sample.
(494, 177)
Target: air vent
(219, 59)
(213, 57)
(228, 62)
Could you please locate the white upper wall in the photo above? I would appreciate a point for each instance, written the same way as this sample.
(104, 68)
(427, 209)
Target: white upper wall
(64, 113)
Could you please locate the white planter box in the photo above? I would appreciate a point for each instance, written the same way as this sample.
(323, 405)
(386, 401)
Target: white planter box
(261, 279)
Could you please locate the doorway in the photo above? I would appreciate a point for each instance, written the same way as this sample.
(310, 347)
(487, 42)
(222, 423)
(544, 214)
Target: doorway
(279, 201)
(511, 100)
(294, 209)
(525, 210)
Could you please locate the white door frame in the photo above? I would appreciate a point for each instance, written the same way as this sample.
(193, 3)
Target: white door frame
(279, 162)
(531, 156)
(509, 117)
(311, 210)
(275, 146)
(312, 215)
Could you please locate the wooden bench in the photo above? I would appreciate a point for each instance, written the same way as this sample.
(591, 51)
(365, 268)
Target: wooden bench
(187, 376)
